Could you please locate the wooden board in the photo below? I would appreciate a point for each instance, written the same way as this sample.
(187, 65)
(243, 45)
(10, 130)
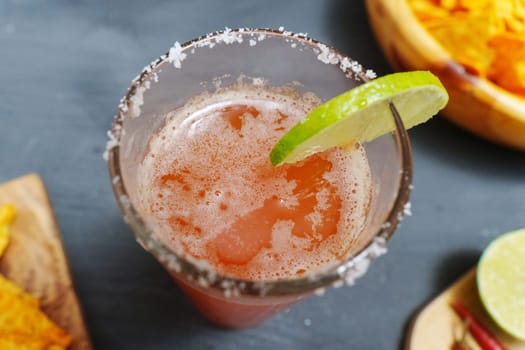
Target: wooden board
(435, 327)
(35, 258)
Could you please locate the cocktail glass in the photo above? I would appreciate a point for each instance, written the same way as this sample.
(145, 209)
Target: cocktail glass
(280, 58)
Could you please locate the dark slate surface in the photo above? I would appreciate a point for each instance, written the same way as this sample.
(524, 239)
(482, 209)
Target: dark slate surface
(64, 66)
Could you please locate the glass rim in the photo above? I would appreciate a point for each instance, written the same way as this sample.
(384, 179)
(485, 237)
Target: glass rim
(346, 270)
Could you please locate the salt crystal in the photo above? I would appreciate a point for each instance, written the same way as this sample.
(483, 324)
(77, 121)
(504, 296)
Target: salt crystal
(253, 42)
(407, 209)
(203, 282)
(228, 37)
(377, 248)
(281, 28)
(115, 180)
(320, 291)
(338, 284)
(174, 265)
(356, 67)
(326, 56)
(258, 81)
(176, 56)
(307, 322)
(124, 200)
(110, 144)
(345, 64)
(370, 74)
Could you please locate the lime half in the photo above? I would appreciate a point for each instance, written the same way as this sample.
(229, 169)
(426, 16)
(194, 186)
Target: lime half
(362, 114)
(501, 282)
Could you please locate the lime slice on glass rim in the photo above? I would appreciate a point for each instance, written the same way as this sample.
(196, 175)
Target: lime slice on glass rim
(501, 282)
(362, 114)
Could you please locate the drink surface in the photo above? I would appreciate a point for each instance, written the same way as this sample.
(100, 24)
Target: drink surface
(210, 193)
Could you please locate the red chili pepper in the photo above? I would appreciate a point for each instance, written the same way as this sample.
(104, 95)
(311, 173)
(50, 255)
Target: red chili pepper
(486, 340)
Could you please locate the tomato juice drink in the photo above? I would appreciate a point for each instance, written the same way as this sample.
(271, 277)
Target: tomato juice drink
(242, 238)
(208, 186)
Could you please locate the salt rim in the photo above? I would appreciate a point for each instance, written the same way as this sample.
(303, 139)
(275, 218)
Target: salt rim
(355, 267)
(178, 53)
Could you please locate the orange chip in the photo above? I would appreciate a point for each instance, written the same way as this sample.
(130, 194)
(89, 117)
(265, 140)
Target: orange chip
(485, 36)
(9, 288)
(426, 10)
(451, 33)
(508, 68)
(7, 214)
(22, 341)
(21, 320)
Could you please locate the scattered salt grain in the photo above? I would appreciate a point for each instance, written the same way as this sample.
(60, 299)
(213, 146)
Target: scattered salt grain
(407, 209)
(253, 42)
(307, 322)
(320, 291)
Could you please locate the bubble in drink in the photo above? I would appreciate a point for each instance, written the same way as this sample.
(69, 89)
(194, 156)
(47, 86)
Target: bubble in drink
(207, 186)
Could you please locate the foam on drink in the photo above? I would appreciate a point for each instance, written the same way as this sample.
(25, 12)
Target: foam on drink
(209, 190)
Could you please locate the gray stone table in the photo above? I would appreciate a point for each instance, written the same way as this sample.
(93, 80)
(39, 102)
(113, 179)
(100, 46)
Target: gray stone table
(64, 66)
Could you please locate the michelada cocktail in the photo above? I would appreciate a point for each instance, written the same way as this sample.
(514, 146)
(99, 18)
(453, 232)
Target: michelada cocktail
(189, 160)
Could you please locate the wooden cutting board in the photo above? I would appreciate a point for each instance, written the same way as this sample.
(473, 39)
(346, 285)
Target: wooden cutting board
(35, 258)
(435, 326)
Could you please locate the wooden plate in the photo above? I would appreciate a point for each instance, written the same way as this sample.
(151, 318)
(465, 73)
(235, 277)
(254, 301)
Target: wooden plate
(435, 327)
(35, 258)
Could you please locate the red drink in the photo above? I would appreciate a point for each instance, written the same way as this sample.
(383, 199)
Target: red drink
(208, 187)
(190, 170)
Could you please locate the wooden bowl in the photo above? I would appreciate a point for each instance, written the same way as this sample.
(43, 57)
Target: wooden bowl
(475, 104)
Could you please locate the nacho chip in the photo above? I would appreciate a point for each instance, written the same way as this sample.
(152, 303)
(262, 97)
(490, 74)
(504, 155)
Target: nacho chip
(508, 69)
(485, 36)
(23, 326)
(7, 214)
(22, 321)
(9, 288)
(22, 341)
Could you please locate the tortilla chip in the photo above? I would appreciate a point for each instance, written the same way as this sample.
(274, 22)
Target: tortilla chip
(7, 214)
(23, 326)
(451, 33)
(21, 320)
(22, 341)
(485, 36)
(508, 69)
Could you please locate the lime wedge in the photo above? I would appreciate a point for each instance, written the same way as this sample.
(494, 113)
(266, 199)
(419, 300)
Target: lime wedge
(362, 114)
(501, 282)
